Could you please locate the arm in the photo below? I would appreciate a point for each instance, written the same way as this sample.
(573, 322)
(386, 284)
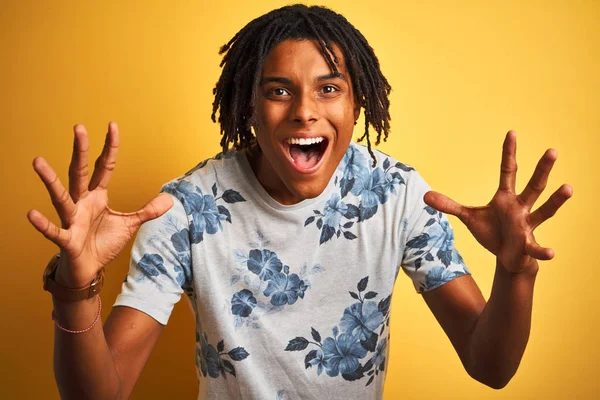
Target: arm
(490, 339)
(105, 362)
(101, 363)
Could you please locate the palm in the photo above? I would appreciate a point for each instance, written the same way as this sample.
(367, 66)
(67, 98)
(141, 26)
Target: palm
(506, 224)
(92, 234)
(97, 234)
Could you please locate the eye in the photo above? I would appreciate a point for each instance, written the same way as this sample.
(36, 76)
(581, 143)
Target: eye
(279, 92)
(328, 89)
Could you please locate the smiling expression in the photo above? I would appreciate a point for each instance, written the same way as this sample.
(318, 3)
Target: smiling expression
(304, 120)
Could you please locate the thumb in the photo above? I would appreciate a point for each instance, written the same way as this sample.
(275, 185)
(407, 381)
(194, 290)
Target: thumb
(445, 204)
(154, 208)
(538, 252)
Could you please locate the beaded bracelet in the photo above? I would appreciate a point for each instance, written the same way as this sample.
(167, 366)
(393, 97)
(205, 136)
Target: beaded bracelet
(83, 330)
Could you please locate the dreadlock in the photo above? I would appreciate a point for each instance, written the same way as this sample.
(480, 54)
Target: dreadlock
(242, 64)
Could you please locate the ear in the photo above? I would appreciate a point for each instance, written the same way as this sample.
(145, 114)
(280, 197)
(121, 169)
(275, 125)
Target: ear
(356, 110)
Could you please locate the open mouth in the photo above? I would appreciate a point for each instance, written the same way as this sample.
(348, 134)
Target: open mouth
(306, 153)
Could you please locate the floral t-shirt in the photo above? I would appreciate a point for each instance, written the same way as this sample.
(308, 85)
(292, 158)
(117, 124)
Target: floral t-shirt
(290, 301)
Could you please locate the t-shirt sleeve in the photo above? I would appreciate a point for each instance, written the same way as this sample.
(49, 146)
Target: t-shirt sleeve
(159, 267)
(429, 257)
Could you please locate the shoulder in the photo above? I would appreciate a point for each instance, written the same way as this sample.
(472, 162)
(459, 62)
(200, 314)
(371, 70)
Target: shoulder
(388, 171)
(366, 189)
(197, 179)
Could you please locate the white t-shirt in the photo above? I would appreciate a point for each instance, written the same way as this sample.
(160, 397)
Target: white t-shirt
(290, 301)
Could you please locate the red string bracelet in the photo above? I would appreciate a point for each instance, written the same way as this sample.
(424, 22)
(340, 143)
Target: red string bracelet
(83, 330)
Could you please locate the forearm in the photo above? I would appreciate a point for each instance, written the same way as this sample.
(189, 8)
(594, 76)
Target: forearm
(500, 335)
(83, 363)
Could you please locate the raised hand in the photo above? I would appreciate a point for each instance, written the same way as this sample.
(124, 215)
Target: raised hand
(506, 224)
(92, 234)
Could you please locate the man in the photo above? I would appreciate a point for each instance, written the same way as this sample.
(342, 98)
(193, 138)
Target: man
(288, 245)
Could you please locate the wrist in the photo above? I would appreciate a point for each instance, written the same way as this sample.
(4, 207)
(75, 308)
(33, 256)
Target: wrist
(75, 315)
(71, 305)
(527, 271)
(64, 277)
(66, 292)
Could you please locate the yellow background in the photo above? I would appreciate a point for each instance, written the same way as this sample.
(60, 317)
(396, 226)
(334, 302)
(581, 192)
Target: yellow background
(463, 73)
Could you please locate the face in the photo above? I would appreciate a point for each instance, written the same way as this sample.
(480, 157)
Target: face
(303, 120)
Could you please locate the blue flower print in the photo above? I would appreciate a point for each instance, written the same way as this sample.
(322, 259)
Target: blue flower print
(392, 179)
(210, 363)
(152, 265)
(380, 353)
(315, 357)
(361, 319)
(437, 241)
(181, 244)
(179, 186)
(377, 363)
(263, 275)
(335, 209)
(181, 278)
(437, 276)
(353, 163)
(418, 242)
(205, 213)
(285, 289)
(356, 171)
(211, 359)
(443, 235)
(330, 221)
(341, 354)
(242, 303)
(264, 263)
(371, 187)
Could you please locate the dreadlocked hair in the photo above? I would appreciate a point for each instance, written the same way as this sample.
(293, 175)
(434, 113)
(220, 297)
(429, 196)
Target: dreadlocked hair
(245, 53)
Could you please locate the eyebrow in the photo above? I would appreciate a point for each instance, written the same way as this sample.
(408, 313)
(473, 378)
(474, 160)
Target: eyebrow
(333, 75)
(287, 81)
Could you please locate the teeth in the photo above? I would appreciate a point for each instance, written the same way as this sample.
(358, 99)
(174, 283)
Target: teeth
(305, 141)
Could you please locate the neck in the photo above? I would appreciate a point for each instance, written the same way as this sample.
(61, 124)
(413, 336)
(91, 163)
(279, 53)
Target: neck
(268, 178)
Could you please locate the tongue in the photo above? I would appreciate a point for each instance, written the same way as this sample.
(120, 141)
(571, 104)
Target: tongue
(305, 156)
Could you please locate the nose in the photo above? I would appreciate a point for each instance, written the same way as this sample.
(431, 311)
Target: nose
(304, 109)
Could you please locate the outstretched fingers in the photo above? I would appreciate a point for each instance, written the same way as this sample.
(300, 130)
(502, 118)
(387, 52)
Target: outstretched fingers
(549, 208)
(58, 194)
(446, 205)
(105, 163)
(539, 179)
(60, 237)
(78, 169)
(508, 166)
